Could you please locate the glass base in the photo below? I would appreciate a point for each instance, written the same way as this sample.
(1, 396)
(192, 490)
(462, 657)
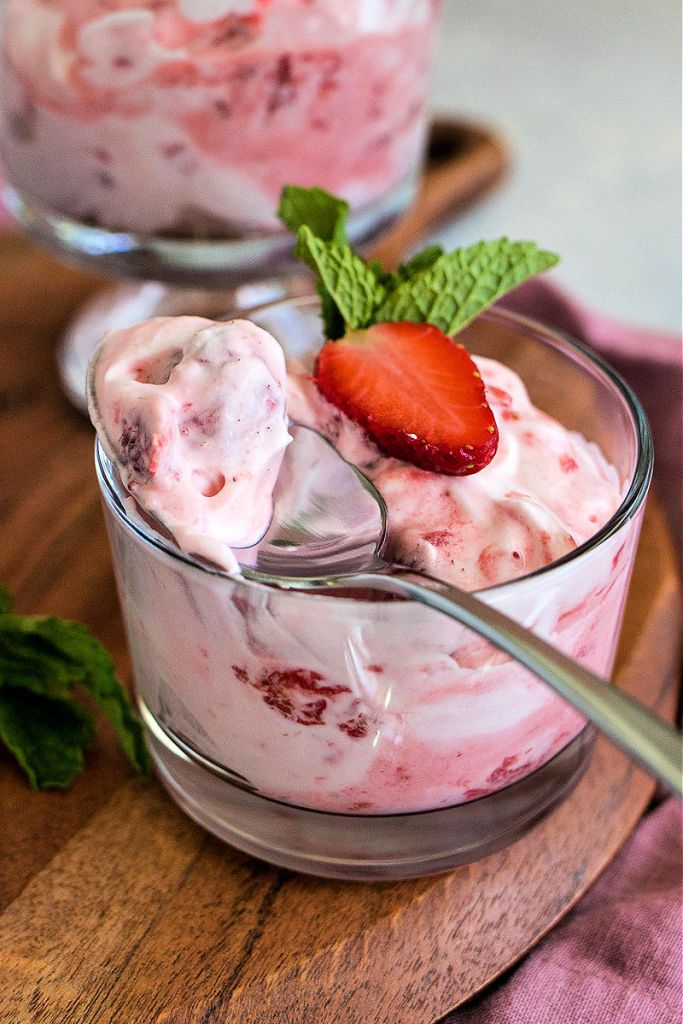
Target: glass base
(361, 847)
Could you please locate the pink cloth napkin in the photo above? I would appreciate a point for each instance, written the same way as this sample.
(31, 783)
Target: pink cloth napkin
(617, 958)
(6, 222)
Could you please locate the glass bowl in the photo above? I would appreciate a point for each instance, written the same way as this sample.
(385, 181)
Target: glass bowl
(152, 140)
(374, 739)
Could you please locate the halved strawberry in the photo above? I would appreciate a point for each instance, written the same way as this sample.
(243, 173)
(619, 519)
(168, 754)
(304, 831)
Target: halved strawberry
(417, 394)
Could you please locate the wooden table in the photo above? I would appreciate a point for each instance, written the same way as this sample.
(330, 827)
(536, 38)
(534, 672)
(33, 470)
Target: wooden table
(116, 909)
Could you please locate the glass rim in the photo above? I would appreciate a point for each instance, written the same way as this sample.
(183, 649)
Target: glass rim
(628, 507)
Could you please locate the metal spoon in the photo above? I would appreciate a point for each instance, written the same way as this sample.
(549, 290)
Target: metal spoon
(329, 532)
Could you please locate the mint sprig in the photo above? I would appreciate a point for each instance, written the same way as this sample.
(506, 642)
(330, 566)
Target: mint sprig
(458, 285)
(46, 663)
(447, 289)
(350, 289)
(319, 210)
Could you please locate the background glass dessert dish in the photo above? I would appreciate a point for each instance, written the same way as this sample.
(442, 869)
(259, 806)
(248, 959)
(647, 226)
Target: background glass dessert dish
(151, 141)
(361, 738)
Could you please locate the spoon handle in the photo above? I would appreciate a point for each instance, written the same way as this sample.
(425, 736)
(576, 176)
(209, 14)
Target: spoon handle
(640, 733)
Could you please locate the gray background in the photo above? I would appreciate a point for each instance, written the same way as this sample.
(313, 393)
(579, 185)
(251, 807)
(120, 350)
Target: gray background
(587, 94)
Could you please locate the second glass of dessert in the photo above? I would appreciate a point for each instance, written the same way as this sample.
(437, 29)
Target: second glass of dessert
(152, 139)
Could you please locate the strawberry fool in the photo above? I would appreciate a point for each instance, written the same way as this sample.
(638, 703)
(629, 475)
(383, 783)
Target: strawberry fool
(377, 707)
(188, 116)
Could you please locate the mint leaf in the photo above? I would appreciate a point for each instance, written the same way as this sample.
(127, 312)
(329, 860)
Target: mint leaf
(112, 699)
(45, 658)
(47, 736)
(420, 261)
(458, 285)
(30, 659)
(333, 321)
(322, 212)
(353, 288)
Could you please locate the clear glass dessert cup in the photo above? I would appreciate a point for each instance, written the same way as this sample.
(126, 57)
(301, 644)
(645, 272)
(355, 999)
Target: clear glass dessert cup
(150, 141)
(359, 738)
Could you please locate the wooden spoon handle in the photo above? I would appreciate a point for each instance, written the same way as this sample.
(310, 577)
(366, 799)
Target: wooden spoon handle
(464, 163)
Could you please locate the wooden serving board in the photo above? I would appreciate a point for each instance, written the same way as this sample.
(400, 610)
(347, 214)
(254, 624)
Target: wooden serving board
(117, 909)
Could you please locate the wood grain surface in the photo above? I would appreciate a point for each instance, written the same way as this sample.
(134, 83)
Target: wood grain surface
(116, 909)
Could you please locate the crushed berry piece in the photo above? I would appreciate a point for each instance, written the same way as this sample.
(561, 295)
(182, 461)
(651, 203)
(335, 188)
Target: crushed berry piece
(282, 690)
(284, 88)
(509, 770)
(279, 701)
(356, 727)
(134, 446)
(503, 769)
(437, 538)
(302, 679)
(311, 712)
(474, 794)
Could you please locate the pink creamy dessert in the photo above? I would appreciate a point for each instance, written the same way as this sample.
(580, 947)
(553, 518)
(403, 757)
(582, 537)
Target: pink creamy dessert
(545, 492)
(383, 706)
(188, 116)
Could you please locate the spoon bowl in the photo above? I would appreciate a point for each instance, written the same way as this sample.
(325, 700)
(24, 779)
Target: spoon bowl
(328, 518)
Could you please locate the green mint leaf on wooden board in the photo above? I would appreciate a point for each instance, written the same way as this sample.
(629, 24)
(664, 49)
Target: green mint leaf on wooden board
(353, 288)
(460, 284)
(447, 289)
(47, 735)
(45, 662)
(322, 212)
